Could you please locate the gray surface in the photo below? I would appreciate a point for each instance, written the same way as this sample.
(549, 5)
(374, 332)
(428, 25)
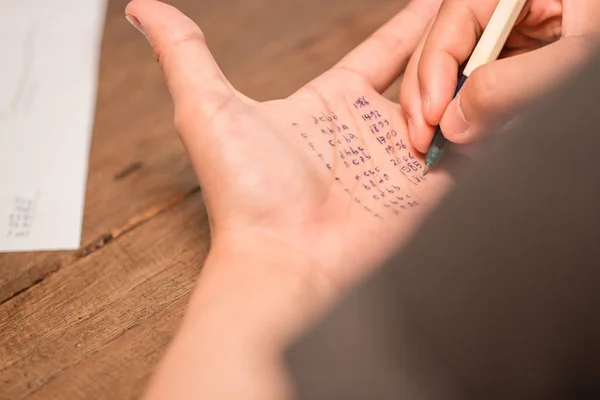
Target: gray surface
(497, 296)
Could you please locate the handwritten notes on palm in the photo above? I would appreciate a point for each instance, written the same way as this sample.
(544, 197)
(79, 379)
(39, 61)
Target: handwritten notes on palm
(372, 185)
(48, 76)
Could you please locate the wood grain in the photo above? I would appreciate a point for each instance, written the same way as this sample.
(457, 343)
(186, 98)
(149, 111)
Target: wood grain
(268, 49)
(85, 311)
(92, 323)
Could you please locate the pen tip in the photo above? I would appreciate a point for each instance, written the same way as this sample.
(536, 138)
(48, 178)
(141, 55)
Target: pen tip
(425, 171)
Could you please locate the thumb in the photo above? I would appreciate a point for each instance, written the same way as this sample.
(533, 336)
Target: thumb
(193, 77)
(497, 90)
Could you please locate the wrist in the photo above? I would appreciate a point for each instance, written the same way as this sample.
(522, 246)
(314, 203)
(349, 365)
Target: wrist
(252, 298)
(259, 291)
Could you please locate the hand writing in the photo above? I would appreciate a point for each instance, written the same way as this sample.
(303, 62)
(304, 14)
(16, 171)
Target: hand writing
(551, 38)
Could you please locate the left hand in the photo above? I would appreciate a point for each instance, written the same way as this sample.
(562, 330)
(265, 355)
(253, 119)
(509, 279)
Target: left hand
(304, 196)
(309, 173)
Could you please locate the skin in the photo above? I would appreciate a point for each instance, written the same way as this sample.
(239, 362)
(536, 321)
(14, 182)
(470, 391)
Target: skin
(550, 40)
(287, 237)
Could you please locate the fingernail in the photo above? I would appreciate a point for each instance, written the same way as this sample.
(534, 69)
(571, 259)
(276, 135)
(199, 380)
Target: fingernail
(426, 103)
(135, 22)
(462, 125)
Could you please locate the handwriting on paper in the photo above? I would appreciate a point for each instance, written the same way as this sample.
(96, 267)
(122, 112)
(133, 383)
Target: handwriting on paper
(21, 219)
(377, 190)
(48, 81)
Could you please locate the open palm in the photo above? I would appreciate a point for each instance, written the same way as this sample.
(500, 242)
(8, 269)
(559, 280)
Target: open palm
(327, 173)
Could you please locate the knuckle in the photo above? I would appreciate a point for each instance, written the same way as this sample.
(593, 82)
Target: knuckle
(192, 36)
(165, 51)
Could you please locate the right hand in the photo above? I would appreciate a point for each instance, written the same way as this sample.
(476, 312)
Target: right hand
(550, 39)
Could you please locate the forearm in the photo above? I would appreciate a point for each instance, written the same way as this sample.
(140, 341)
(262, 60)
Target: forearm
(248, 304)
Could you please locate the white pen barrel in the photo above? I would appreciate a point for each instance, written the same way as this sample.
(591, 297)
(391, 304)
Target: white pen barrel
(495, 34)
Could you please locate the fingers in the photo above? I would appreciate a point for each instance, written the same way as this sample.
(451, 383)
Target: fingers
(449, 44)
(193, 77)
(383, 56)
(498, 89)
(430, 79)
(419, 131)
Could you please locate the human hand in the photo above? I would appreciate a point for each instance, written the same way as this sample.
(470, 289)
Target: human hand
(308, 173)
(304, 195)
(550, 39)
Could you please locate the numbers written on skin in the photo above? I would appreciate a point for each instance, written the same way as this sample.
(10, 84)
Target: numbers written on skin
(351, 152)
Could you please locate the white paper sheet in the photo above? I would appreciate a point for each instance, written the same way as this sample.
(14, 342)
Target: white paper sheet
(48, 80)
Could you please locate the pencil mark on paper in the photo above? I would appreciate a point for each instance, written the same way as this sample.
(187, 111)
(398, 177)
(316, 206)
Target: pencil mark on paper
(22, 215)
(48, 87)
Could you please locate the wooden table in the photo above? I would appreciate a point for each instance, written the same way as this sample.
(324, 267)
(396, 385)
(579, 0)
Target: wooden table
(94, 322)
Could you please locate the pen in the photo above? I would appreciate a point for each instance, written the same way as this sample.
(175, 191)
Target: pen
(487, 50)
